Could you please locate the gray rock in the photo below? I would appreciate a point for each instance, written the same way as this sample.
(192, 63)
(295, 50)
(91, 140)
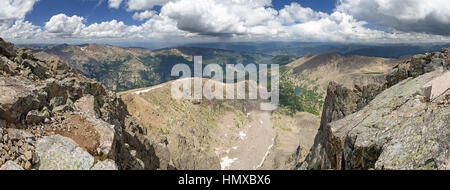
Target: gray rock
(61, 153)
(105, 165)
(10, 165)
(8, 66)
(86, 104)
(29, 84)
(2, 125)
(35, 160)
(397, 130)
(336, 143)
(16, 99)
(435, 64)
(437, 86)
(106, 133)
(7, 49)
(37, 68)
(58, 67)
(17, 134)
(57, 101)
(35, 117)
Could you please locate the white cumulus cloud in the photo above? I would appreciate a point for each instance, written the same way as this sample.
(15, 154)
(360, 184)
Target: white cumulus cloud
(296, 13)
(144, 15)
(111, 29)
(144, 4)
(20, 30)
(114, 3)
(219, 17)
(63, 25)
(15, 9)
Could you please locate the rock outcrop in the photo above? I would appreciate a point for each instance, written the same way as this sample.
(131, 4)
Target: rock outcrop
(392, 125)
(10, 165)
(52, 117)
(61, 153)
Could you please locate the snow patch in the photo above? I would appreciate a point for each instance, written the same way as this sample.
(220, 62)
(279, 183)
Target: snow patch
(267, 154)
(242, 135)
(226, 162)
(148, 90)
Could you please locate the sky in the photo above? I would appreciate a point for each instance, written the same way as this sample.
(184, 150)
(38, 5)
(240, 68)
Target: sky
(97, 21)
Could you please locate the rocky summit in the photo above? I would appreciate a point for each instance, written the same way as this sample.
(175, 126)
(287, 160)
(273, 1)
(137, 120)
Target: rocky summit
(52, 118)
(402, 123)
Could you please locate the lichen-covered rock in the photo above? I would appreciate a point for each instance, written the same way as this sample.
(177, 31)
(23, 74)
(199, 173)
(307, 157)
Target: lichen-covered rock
(35, 117)
(10, 165)
(105, 165)
(60, 153)
(399, 129)
(349, 140)
(418, 65)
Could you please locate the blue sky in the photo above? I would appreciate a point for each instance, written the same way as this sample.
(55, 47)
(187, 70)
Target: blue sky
(363, 21)
(89, 9)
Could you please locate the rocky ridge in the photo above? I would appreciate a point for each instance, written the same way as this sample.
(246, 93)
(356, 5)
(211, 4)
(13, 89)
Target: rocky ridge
(52, 117)
(394, 124)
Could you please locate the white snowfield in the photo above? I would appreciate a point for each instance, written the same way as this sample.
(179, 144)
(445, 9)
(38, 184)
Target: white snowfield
(148, 90)
(158, 86)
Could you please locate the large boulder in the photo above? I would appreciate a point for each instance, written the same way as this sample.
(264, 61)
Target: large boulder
(17, 98)
(86, 105)
(37, 68)
(436, 87)
(36, 117)
(58, 67)
(7, 49)
(106, 134)
(60, 153)
(105, 165)
(7, 66)
(10, 165)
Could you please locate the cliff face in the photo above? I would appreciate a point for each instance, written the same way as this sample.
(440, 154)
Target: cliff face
(402, 123)
(51, 117)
